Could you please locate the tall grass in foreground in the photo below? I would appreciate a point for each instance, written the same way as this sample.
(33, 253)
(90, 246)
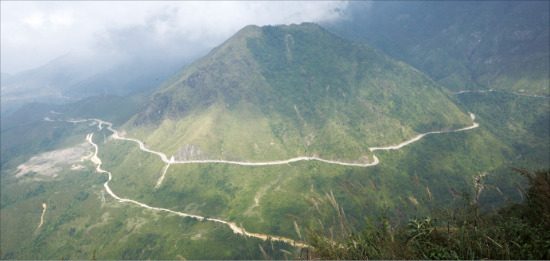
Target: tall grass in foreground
(516, 231)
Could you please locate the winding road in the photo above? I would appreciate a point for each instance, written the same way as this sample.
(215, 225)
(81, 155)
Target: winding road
(493, 90)
(236, 229)
(165, 159)
(419, 136)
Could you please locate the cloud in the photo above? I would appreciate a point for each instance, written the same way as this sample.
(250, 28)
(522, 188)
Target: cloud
(38, 20)
(63, 19)
(32, 33)
(34, 21)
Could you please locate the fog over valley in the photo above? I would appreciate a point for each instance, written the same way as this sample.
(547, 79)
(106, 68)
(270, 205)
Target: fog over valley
(259, 130)
(62, 51)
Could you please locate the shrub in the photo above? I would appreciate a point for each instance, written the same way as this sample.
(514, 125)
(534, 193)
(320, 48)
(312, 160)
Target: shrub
(516, 231)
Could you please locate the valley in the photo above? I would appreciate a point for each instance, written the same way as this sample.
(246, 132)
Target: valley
(238, 230)
(159, 199)
(384, 132)
(233, 226)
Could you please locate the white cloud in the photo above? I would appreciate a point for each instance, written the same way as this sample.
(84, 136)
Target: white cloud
(33, 33)
(61, 18)
(34, 21)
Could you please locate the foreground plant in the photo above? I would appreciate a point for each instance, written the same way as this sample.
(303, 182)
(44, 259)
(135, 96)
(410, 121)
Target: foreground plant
(516, 231)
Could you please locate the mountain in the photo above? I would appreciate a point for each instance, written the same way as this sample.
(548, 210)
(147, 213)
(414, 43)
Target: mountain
(45, 83)
(4, 76)
(276, 92)
(500, 45)
(72, 77)
(286, 90)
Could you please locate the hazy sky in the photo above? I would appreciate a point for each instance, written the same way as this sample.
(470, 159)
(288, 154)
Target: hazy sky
(33, 33)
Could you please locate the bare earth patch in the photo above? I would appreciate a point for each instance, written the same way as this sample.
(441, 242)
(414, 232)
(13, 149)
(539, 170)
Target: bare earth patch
(261, 192)
(46, 163)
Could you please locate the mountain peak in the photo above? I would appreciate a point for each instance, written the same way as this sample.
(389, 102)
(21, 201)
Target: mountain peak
(282, 91)
(254, 31)
(247, 31)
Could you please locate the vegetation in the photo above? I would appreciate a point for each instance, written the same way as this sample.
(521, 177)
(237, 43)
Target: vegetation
(348, 99)
(442, 163)
(279, 92)
(78, 223)
(461, 45)
(517, 231)
(520, 122)
(26, 133)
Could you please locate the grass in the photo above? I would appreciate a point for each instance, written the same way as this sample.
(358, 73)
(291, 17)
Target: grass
(462, 46)
(77, 224)
(299, 87)
(516, 231)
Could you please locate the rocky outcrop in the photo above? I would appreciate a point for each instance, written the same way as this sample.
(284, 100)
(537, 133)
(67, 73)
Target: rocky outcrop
(190, 152)
(159, 108)
(153, 111)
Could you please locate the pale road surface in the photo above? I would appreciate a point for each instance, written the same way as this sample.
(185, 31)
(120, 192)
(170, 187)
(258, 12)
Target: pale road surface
(279, 162)
(236, 229)
(399, 146)
(42, 217)
(492, 90)
(163, 174)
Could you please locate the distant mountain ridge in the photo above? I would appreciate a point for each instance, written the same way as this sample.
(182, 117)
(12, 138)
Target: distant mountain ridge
(73, 77)
(267, 94)
(462, 45)
(276, 92)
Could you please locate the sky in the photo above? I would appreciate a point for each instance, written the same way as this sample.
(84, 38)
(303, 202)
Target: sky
(33, 33)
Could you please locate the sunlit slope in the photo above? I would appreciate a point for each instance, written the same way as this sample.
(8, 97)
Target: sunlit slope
(278, 92)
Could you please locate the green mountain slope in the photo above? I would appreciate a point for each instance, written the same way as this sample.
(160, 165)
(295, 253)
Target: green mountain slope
(259, 96)
(465, 45)
(277, 92)
(261, 198)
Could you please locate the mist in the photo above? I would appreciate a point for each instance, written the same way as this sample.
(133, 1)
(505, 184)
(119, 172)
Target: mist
(34, 33)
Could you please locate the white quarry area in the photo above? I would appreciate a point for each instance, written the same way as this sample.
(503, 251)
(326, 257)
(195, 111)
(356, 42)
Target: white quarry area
(48, 163)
